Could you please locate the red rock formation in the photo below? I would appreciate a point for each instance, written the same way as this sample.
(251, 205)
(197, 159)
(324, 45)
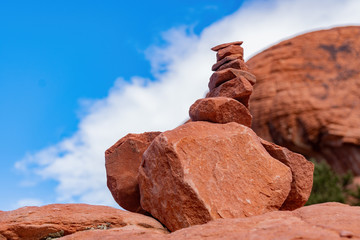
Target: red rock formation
(214, 166)
(202, 171)
(56, 220)
(330, 221)
(307, 96)
(122, 162)
(220, 110)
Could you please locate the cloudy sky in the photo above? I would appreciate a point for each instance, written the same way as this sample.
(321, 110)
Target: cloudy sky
(75, 76)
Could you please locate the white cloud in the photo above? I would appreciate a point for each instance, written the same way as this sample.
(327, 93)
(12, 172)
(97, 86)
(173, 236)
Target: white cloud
(28, 202)
(182, 69)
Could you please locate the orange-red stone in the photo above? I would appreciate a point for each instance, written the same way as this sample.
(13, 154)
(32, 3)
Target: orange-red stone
(238, 88)
(122, 162)
(220, 110)
(56, 220)
(307, 96)
(202, 171)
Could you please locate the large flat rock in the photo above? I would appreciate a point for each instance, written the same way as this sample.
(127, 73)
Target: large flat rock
(56, 220)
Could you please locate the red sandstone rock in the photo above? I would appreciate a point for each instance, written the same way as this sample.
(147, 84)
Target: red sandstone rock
(56, 220)
(226, 60)
(122, 163)
(307, 96)
(224, 45)
(238, 88)
(125, 233)
(202, 171)
(220, 110)
(310, 222)
(237, 64)
(328, 221)
(219, 77)
(302, 174)
(230, 50)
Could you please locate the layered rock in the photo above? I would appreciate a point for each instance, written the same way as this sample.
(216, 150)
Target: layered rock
(122, 161)
(307, 96)
(231, 77)
(202, 171)
(57, 220)
(333, 221)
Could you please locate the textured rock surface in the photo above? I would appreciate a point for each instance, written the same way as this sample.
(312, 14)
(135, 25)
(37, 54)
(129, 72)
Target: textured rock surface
(229, 50)
(321, 221)
(238, 88)
(227, 60)
(307, 96)
(124, 233)
(302, 174)
(122, 162)
(56, 220)
(220, 110)
(202, 171)
(222, 76)
(236, 64)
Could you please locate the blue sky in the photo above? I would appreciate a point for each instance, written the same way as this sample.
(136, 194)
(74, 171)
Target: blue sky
(53, 53)
(75, 76)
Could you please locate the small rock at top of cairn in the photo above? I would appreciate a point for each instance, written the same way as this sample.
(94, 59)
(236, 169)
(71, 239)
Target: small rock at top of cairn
(230, 87)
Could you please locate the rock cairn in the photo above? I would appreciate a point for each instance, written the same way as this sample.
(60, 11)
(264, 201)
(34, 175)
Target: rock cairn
(231, 77)
(214, 166)
(230, 87)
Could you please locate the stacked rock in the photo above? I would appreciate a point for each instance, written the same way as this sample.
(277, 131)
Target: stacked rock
(231, 77)
(230, 88)
(214, 166)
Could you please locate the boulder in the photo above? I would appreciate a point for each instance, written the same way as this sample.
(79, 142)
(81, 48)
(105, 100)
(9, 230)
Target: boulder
(302, 174)
(220, 110)
(202, 171)
(238, 88)
(307, 96)
(57, 220)
(122, 162)
(333, 221)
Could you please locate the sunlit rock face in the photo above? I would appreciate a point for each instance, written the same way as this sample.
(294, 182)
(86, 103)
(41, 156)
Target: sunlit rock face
(307, 96)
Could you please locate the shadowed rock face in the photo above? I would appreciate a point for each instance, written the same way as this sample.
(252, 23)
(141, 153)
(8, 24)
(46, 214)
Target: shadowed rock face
(122, 161)
(307, 96)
